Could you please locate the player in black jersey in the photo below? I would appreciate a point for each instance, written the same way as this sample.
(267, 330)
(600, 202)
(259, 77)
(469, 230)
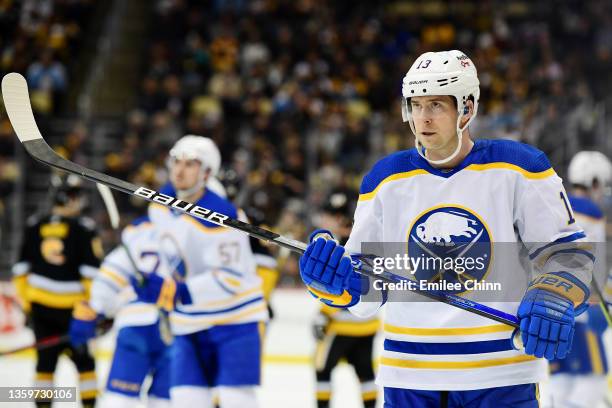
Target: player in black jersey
(339, 334)
(60, 255)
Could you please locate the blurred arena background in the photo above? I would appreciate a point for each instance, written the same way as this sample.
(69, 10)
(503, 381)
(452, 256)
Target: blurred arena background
(301, 96)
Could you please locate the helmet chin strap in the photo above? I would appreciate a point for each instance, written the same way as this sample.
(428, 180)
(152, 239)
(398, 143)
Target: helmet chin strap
(186, 193)
(421, 149)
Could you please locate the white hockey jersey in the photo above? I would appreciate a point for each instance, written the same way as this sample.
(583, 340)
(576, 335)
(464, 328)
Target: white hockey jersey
(112, 293)
(217, 264)
(503, 192)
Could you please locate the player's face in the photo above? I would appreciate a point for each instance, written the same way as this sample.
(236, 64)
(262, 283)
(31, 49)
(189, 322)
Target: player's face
(185, 173)
(435, 122)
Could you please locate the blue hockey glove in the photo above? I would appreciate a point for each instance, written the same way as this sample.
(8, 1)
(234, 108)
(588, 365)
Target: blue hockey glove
(547, 314)
(328, 273)
(83, 324)
(156, 289)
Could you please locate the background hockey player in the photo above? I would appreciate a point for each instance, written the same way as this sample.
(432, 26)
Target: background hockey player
(339, 333)
(220, 308)
(579, 380)
(228, 186)
(142, 346)
(266, 266)
(60, 255)
(482, 191)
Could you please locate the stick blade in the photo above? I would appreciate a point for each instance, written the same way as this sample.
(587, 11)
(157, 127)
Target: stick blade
(109, 202)
(17, 104)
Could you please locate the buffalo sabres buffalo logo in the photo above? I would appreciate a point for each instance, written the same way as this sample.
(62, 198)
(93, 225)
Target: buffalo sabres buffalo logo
(449, 243)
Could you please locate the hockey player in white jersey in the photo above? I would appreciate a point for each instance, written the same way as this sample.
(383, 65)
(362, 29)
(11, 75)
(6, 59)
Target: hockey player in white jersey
(579, 381)
(220, 309)
(452, 191)
(142, 346)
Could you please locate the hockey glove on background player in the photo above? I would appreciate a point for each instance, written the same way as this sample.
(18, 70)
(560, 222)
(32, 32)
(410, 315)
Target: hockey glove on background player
(547, 314)
(163, 292)
(83, 324)
(328, 273)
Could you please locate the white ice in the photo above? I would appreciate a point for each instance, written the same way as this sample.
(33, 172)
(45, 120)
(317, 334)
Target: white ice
(288, 377)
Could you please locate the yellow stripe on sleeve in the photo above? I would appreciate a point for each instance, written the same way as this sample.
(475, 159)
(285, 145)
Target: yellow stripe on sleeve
(52, 299)
(114, 276)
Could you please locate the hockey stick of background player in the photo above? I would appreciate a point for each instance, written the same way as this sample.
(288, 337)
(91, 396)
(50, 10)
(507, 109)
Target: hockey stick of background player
(57, 339)
(17, 104)
(41, 344)
(602, 302)
(113, 216)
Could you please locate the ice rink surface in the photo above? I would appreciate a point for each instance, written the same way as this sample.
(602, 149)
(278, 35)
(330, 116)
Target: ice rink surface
(288, 373)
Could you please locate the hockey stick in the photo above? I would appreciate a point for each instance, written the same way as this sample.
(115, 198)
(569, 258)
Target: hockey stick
(17, 103)
(602, 303)
(57, 339)
(113, 215)
(41, 344)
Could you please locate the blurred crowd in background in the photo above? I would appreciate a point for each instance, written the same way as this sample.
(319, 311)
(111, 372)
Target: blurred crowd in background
(38, 38)
(302, 97)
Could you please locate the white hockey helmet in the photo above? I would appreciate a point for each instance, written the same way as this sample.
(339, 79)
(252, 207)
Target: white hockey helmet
(586, 167)
(199, 148)
(449, 73)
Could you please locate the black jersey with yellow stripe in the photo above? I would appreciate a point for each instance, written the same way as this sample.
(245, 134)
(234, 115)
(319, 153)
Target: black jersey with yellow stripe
(344, 323)
(59, 257)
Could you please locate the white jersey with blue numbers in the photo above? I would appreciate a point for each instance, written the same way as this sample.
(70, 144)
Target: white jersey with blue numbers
(502, 192)
(112, 293)
(216, 263)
